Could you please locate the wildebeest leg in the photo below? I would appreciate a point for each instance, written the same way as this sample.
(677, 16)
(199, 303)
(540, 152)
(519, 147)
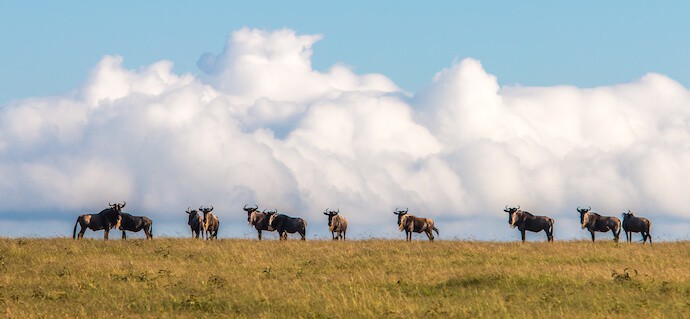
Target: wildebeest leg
(334, 236)
(649, 235)
(123, 235)
(105, 233)
(303, 233)
(259, 235)
(522, 233)
(429, 234)
(592, 232)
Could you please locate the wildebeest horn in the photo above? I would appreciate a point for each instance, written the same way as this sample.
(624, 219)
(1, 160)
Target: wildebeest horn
(506, 207)
(189, 209)
(124, 203)
(589, 208)
(211, 208)
(245, 206)
(518, 207)
(338, 211)
(407, 209)
(325, 211)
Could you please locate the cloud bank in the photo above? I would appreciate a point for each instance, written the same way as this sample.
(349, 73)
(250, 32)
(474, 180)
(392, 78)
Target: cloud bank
(261, 125)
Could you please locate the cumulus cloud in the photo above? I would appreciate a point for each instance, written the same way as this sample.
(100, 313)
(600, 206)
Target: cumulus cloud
(260, 125)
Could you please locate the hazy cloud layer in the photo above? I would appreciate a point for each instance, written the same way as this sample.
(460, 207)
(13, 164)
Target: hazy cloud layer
(262, 126)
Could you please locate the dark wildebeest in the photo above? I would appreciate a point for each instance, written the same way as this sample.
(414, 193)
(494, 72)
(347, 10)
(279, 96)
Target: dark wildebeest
(411, 223)
(595, 222)
(336, 224)
(195, 222)
(632, 224)
(105, 220)
(285, 224)
(525, 221)
(258, 219)
(135, 224)
(211, 223)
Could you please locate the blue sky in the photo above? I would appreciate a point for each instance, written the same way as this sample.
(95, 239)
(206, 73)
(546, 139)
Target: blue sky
(49, 47)
(452, 109)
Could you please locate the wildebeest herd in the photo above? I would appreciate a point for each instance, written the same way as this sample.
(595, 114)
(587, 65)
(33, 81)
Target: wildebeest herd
(204, 223)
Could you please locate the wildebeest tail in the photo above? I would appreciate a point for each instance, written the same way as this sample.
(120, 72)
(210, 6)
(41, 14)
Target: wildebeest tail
(551, 221)
(620, 227)
(436, 230)
(74, 232)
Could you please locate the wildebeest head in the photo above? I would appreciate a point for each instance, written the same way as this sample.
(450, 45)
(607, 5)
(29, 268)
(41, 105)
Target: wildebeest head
(514, 214)
(628, 214)
(193, 214)
(330, 215)
(400, 214)
(249, 211)
(117, 207)
(584, 215)
(206, 210)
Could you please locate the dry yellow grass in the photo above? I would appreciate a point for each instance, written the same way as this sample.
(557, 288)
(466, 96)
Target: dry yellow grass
(323, 279)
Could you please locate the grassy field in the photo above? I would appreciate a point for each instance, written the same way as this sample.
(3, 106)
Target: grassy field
(322, 279)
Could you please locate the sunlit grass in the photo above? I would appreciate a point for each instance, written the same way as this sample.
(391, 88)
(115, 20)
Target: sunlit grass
(370, 278)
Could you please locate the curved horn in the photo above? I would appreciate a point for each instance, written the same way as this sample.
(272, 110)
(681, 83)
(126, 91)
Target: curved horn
(109, 204)
(338, 211)
(518, 207)
(124, 203)
(326, 211)
(211, 208)
(256, 207)
(189, 209)
(407, 209)
(578, 208)
(506, 207)
(589, 208)
(245, 206)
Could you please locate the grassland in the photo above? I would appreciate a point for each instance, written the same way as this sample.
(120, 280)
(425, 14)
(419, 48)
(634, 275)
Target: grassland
(322, 279)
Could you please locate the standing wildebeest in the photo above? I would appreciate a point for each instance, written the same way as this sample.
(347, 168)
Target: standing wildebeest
(525, 221)
(258, 219)
(336, 224)
(411, 223)
(632, 224)
(211, 223)
(595, 222)
(135, 224)
(195, 222)
(285, 224)
(106, 219)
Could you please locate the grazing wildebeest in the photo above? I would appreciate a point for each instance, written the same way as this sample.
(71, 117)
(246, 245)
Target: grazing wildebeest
(105, 220)
(337, 224)
(135, 224)
(595, 222)
(258, 219)
(195, 222)
(632, 224)
(285, 224)
(211, 223)
(525, 221)
(411, 223)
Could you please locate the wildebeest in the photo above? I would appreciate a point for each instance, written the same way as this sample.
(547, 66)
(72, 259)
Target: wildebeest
(195, 222)
(105, 220)
(525, 221)
(411, 223)
(135, 224)
(211, 223)
(632, 224)
(337, 224)
(258, 219)
(595, 222)
(285, 224)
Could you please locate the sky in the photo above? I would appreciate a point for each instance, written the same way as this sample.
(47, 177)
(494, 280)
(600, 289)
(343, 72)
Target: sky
(451, 109)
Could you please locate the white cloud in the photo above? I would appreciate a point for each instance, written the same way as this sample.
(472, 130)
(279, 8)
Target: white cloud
(262, 126)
